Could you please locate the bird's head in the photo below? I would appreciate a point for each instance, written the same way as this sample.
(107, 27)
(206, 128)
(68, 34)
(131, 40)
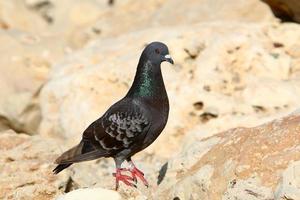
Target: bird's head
(157, 52)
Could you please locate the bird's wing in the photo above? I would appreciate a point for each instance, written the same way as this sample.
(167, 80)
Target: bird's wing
(122, 125)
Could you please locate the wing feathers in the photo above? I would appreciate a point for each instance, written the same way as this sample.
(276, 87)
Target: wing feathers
(79, 153)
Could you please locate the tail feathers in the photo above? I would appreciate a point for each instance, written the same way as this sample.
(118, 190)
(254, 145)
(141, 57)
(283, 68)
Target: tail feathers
(67, 156)
(82, 152)
(60, 167)
(82, 157)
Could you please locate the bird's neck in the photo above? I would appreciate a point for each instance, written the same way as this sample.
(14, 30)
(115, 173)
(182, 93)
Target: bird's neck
(148, 81)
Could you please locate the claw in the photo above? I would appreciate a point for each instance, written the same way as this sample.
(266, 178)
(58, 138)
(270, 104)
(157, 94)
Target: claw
(123, 178)
(136, 173)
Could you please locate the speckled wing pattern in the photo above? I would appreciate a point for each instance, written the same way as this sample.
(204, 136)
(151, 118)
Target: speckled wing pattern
(116, 131)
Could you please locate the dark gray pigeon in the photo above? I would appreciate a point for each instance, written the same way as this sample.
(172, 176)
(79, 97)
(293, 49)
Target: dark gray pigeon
(131, 124)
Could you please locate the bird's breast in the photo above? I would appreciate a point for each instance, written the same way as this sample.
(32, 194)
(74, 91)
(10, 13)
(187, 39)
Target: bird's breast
(160, 113)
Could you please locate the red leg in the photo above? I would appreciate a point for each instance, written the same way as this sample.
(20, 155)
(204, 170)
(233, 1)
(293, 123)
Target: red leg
(124, 178)
(136, 173)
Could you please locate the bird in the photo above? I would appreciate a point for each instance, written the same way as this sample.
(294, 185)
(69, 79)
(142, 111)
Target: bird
(131, 124)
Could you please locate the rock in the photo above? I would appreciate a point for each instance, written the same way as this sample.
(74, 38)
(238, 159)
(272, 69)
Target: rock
(86, 20)
(98, 173)
(207, 11)
(289, 185)
(91, 194)
(161, 13)
(15, 15)
(227, 72)
(26, 172)
(236, 65)
(241, 163)
(285, 10)
(24, 65)
(243, 69)
(26, 167)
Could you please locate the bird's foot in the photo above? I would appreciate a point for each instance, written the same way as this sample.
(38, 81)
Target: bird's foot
(123, 178)
(136, 173)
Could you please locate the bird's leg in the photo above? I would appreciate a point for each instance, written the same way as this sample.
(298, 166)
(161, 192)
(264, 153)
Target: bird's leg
(121, 177)
(136, 173)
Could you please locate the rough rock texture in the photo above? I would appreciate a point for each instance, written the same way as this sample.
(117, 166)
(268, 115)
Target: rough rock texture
(242, 163)
(26, 164)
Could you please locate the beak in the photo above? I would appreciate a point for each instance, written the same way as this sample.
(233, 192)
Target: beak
(169, 59)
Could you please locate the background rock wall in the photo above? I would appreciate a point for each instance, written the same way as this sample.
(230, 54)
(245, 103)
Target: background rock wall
(63, 62)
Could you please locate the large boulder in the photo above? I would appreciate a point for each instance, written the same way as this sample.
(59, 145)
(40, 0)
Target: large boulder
(221, 78)
(25, 61)
(243, 163)
(26, 164)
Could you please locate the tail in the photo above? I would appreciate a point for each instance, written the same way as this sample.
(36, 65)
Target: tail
(84, 151)
(61, 167)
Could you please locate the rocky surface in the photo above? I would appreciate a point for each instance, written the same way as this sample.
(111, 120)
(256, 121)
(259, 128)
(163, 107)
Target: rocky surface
(64, 62)
(242, 163)
(25, 164)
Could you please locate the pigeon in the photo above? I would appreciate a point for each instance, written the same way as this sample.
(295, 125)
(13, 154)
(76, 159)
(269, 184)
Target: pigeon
(131, 124)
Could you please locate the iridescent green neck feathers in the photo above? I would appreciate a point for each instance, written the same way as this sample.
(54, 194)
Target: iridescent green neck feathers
(148, 81)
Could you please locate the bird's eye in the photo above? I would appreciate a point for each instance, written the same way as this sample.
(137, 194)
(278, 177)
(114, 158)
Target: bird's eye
(157, 51)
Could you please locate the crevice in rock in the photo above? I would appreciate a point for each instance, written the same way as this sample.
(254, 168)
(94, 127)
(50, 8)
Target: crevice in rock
(3, 25)
(42, 8)
(278, 45)
(193, 54)
(111, 2)
(258, 108)
(32, 111)
(26, 184)
(7, 124)
(162, 173)
(198, 105)
(206, 116)
(232, 183)
(253, 193)
(70, 185)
